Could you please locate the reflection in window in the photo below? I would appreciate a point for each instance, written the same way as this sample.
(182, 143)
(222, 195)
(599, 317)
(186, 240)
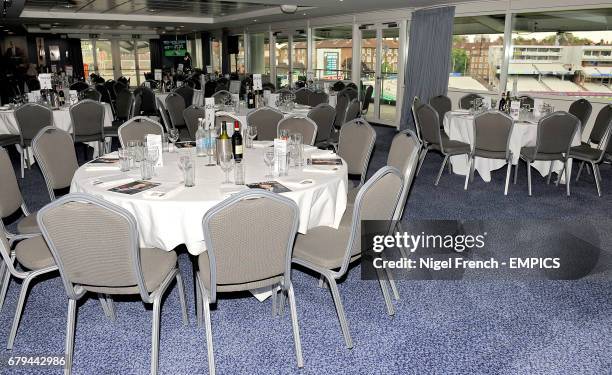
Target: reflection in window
(144, 59)
(282, 61)
(333, 52)
(215, 47)
(237, 63)
(87, 51)
(299, 56)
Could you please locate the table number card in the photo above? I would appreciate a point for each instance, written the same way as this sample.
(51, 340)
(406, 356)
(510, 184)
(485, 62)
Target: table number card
(280, 157)
(515, 109)
(209, 112)
(257, 84)
(537, 106)
(155, 141)
(34, 96)
(73, 96)
(180, 67)
(209, 69)
(158, 74)
(45, 81)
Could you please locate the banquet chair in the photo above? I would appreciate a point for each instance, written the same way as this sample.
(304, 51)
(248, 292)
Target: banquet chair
(34, 259)
(416, 102)
(147, 101)
(229, 119)
(317, 97)
(353, 110)
(9, 140)
(31, 118)
(136, 129)
(342, 102)
(187, 93)
(54, 152)
(87, 118)
(124, 104)
(554, 140)
(269, 86)
(191, 115)
(269, 225)
(79, 86)
(329, 251)
(91, 94)
(581, 108)
(350, 91)
(120, 86)
(302, 96)
(164, 114)
(441, 104)
(266, 120)
(222, 96)
(175, 104)
(299, 124)
(338, 86)
(11, 201)
(323, 115)
(355, 146)
(601, 125)
(96, 248)
(367, 98)
(466, 100)
(593, 155)
(434, 138)
(492, 131)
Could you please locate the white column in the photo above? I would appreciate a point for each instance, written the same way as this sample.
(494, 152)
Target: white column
(503, 77)
(356, 63)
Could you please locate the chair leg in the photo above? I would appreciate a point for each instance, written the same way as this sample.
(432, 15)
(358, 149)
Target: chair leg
(529, 177)
(508, 171)
(209, 343)
(333, 287)
(467, 176)
(580, 170)
(274, 299)
(155, 335)
(568, 177)
(281, 303)
(22, 154)
(6, 280)
(516, 170)
(322, 283)
(104, 305)
(597, 175)
(422, 157)
(392, 284)
(385, 291)
(181, 292)
(550, 170)
(18, 311)
(70, 328)
(198, 302)
(111, 308)
(441, 169)
(296, 329)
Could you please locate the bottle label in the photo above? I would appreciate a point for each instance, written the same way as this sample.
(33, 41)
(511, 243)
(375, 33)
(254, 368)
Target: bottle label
(238, 150)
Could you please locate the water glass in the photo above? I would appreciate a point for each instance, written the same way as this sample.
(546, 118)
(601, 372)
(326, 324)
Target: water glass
(124, 159)
(135, 148)
(165, 143)
(173, 136)
(186, 163)
(251, 133)
(284, 134)
(296, 147)
(151, 157)
(226, 162)
(146, 170)
(269, 160)
(239, 172)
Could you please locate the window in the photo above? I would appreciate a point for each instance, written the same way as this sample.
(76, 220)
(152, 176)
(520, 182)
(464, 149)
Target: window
(144, 59)
(128, 61)
(87, 51)
(282, 60)
(299, 56)
(215, 47)
(237, 63)
(104, 59)
(571, 57)
(333, 52)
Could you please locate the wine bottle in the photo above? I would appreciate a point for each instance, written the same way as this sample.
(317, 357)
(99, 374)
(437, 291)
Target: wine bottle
(502, 102)
(224, 144)
(508, 102)
(237, 142)
(201, 139)
(251, 98)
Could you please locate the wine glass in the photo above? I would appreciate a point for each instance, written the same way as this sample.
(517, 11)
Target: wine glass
(269, 160)
(173, 137)
(152, 156)
(251, 134)
(226, 163)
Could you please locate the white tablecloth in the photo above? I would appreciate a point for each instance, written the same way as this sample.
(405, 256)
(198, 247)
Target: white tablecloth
(459, 125)
(198, 98)
(177, 218)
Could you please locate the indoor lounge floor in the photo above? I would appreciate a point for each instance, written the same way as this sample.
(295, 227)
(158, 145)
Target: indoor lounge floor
(445, 327)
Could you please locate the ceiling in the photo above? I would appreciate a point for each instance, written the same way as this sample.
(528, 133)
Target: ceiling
(182, 16)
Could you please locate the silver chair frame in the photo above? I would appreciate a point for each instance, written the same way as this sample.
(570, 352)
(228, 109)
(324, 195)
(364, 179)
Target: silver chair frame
(602, 146)
(23, 151)
(75, 106)
(135, 119)
(311, 142)
(37, 156)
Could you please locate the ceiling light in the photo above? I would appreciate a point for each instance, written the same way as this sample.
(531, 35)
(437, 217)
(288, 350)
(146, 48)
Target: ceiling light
(68, 5)
(152, 10)
(254, 20)
(289, 9)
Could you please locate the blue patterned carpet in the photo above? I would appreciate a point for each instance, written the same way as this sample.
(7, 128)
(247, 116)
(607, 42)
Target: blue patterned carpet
(441, 327)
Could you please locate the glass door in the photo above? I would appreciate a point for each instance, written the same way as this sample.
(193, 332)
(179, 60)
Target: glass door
(380, 63)
(282, 60)
(104, 59)
(127, 54)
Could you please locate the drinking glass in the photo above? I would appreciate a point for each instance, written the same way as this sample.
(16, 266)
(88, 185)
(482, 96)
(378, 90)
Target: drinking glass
(124, 159)
(186, 163)
(173, 137)
(296, 146)
(239, 172)
(135, 148)
(146, 170)
(226, 163)
(269, 160)
(251, 134)
(151, 157)
(165, 143)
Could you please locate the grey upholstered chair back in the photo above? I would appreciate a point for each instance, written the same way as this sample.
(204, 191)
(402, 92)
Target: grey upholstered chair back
(492, 131)
(323, 115)
(355, 146)
(175, 104)
(404, 156)
(416, 102)
(259, 251)
(353, 110)
(87, 118)
(54, 152)
(164, 114)
(31, 118)
(147, 100)
(222, 96)
(342, 102)
(350, 92)
(302, 96)
(92, 94)
(137, 128)
(187, 93)
(10, 198)
(300, 124)
(191, 115)
(556, 132)
(465, 101)
(124, 104)
(429, 123)
(94, 243)
(317, 97)
(601, 124)
(581, 108)
(367, 98)
(266, 120)
(229, 119)
(137, 111)
(441, 104)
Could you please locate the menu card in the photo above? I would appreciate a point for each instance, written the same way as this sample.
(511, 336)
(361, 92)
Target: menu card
(68, 69)
(158, 74)
(134, 187)
(537, 105)
(324, 161)
(257, 84)
(209, 112)
(155, 141)
(34, 96)
(280, 152)
(45, 81)
(272, 186)
(515, 109)
(180, 67)
(73, 96)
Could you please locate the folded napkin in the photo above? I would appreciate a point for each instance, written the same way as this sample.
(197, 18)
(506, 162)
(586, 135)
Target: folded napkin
(102, 167)
(323, 154)
(163, 191)
(328, 169)
(114, 179)
(227, 190)
(296, 183)
(262, 144)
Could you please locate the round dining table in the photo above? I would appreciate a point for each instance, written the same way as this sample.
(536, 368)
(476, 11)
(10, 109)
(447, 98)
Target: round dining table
(171, 214)
(459, 126)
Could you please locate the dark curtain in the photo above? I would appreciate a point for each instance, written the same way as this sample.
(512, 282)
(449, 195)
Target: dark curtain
(206, 49)
(225, 60)
(75, 58)
(155, 47)
(429, 52)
